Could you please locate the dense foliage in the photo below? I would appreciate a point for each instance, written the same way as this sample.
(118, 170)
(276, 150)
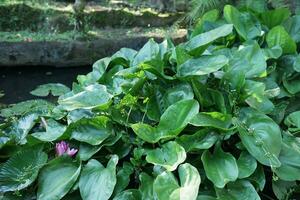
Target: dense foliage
(223, 106)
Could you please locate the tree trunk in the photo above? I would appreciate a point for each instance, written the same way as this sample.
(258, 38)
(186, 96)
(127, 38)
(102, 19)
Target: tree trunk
(78, 7)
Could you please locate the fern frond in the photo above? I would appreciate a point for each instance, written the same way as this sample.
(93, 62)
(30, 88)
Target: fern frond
(278, 3)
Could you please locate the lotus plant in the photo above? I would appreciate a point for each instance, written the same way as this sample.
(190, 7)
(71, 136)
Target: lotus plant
(63, 147)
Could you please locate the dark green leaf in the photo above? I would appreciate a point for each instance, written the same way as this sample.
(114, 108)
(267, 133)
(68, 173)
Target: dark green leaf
(146, 187)
(248, 60)
(200, 42)
(279, 36)
(21, 169)
(38, 106)
(123, 178)
(21, 128)
(86, 151)
(202, 66)
(131, 194)
(256, 96)
(246, 164)
(238, 190)
(92, 131)
(292, 25)
(149, 51)
(172, 122)
(212, 119)
(293, 120)
(258, 178)
(57, 178)
(96, 181)
(202, 139)
(169, 156)
(210, 16)
(245, 23)
(290, 164)
(166, 186)
(275, 17)
(282, 189)
(56, 89)
(220, 167)
(99, 69)
(53, 131)
(259, 133)
(92, 96)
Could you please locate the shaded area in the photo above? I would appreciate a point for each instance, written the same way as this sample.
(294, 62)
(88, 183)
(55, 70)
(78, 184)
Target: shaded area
(47, 18)
(17, 82)
(75, 53)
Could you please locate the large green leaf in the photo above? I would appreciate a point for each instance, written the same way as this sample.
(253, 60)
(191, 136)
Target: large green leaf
(256, 96)
(160, 100)
(245, 23)
(146, 187)
(97, 182)
(57, 178)
(246, 164)
(123, 56)
(206, 197)
(293, 120)
(259, 133)
(238, 190)
(33, 106)
(177, 93)
(53, 131)
(20, 170)
(200, 42)
(291, 85)
(212, 119)
(289, 158)
(248, 60)
(220, 167)
(56, 89)
(258, 6)
(169, 156)
(149, 51)
(274, 52)
(90, 97)
(279, 36)
(292, 25)
(179, 55)
(86, 151)
(202, 139)
(282, 189)
(131, 194)
(92, 131)
(123, 178)
(166, 186)
(296, 64)
(172, 122)
(99, 68)
(210, 16)
(258, 178)
(21, 128)
(275, 17)
(202, 66)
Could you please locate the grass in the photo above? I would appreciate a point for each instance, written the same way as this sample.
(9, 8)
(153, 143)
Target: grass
(67, 7)
(90, 35)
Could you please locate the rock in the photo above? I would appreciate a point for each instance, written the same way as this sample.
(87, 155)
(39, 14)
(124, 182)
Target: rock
(68, 53)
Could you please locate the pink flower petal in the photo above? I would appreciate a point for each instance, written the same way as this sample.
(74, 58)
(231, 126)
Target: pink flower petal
(71, 152)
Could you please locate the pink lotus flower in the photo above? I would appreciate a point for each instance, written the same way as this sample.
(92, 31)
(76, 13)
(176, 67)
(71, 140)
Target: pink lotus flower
(63, 147)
